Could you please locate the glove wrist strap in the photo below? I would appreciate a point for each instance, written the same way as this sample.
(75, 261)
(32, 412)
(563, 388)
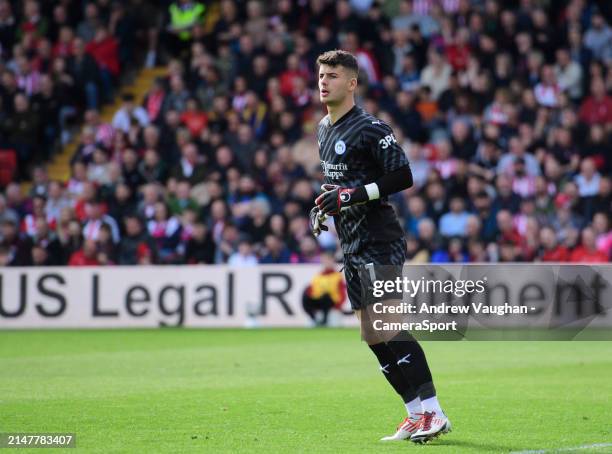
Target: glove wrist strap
(373, 191)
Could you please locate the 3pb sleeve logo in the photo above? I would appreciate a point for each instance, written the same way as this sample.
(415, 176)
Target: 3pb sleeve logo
(387, 140)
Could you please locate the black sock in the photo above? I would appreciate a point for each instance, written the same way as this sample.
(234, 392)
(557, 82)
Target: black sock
(410, 358)
(391, 371)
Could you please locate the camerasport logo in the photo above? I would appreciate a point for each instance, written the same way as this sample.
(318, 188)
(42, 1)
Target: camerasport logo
(340, 147)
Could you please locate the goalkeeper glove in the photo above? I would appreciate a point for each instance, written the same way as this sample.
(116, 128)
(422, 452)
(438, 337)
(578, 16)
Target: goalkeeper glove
(335, 198)
(316, 221)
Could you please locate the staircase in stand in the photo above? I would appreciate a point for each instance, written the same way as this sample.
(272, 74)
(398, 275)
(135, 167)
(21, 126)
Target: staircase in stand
(59, 168)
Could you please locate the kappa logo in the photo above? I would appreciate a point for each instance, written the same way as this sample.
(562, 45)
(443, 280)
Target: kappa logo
(383, 369)
(340, 147)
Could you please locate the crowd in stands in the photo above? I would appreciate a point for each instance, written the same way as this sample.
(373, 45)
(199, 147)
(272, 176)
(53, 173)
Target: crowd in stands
(503, 108)
(58, 59)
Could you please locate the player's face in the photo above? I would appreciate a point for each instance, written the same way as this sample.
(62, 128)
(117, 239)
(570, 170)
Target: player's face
(335, 84)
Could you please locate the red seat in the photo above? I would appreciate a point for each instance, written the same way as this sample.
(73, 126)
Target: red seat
(8, 166)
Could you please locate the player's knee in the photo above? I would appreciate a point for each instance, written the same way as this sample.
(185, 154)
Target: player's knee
(370, 338)
(368, 334)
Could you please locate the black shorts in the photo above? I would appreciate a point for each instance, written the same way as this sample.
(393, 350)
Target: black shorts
(359, 268)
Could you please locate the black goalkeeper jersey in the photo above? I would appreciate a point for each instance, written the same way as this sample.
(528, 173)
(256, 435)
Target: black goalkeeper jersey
(355, 151)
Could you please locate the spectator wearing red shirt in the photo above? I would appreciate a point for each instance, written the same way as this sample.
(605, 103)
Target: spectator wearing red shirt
(507, 232)
(154, 100)
(587, 252)
(603, 232)
(287, 77)
(597, 108)
(34, 21)
(86, 256)
(365, 58)
(194, 118)
(553, 141)
(458, 53)
(104, 48)
(551, 250)
(63, 46)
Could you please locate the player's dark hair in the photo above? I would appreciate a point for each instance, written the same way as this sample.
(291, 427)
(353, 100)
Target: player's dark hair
(339, 58)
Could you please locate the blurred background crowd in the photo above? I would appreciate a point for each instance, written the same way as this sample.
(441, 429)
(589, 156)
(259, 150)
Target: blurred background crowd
(502, 107)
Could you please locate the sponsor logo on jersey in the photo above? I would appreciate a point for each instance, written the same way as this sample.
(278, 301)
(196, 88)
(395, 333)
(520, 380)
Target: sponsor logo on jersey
(333, 171)
(387, 140)
(340, 147)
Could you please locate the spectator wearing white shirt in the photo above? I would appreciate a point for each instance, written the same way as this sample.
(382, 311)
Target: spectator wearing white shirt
(547, 91)
(244, 256)
(95, 219)
(436, 75)
(401, 47)
(598, 38)
(361, 6)
(123, 117)
(522, 183)
(588, 179)
(569, 74)
(454, 223)
(406, 17)
(7, 213)
(422, 7)
(99, 169)
(517, 150)
(418, 164)
(56, 201)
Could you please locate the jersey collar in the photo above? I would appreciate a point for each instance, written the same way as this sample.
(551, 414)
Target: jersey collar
(350, 113)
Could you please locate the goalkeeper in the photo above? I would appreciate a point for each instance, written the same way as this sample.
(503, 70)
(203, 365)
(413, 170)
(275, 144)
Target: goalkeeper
(362, 164)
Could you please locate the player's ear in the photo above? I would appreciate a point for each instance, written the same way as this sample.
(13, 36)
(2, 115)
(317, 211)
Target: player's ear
(353, 83)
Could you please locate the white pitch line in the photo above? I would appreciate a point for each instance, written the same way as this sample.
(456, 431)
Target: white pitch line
(577, 448)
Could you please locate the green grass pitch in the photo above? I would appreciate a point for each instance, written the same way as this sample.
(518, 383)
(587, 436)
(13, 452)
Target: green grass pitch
(277, 391)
